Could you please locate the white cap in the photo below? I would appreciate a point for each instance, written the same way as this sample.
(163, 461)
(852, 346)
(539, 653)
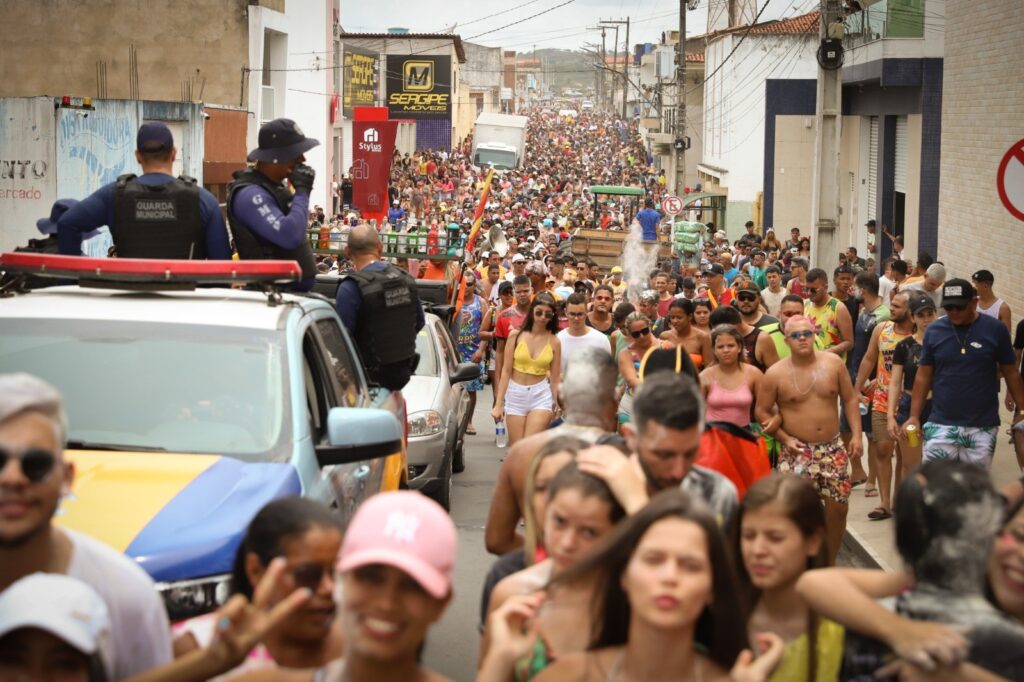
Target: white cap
(63, 606)
(518, 258)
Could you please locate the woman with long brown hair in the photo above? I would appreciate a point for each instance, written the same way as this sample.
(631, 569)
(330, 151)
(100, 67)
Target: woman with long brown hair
(781, 535)
(528, 389)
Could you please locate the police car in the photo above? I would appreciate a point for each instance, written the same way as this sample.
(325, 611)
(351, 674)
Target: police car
(190, 408)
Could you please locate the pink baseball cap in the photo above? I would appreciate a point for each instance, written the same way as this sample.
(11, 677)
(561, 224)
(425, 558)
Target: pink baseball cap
(405, 530)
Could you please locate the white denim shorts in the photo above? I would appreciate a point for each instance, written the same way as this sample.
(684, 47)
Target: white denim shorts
(521, 400)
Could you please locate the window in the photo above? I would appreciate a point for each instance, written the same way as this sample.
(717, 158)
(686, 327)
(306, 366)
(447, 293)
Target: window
(344, 365)
(447, 349)
(318, 399)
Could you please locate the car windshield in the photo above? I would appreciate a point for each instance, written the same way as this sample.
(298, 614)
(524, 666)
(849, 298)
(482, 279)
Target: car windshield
(173, 387)
(428, 355)
(502, 160)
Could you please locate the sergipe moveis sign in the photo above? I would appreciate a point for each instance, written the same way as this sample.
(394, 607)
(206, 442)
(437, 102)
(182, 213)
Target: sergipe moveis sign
(419, 86)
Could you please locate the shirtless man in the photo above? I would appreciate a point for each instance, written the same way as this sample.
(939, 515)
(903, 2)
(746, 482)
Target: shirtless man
(681, 332)
(587, 396)
(805, 387)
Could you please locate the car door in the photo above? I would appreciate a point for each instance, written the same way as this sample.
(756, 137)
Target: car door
(457, 399)
(352, 483)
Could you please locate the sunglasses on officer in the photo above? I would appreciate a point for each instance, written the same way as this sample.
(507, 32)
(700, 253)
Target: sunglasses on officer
(36, 463)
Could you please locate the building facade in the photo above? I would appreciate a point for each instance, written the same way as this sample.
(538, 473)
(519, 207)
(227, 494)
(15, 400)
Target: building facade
(738, 98)
(982, 120)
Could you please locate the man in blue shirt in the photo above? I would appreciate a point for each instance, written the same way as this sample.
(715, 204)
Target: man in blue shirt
(396, 214)
(960, 356)
(154, 215)
(384, 327)
(649, 219)
(268, 219)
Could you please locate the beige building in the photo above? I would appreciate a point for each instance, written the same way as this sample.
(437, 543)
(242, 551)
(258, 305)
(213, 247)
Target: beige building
(982, 118)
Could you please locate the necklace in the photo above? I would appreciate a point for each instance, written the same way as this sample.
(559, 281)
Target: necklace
(814, 380)
(967, 337)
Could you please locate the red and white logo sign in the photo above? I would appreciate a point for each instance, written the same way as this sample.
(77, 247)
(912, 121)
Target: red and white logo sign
(1010, 180)
(672, 205)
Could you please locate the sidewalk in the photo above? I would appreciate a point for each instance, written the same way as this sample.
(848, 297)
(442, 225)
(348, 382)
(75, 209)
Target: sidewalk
(874, 542)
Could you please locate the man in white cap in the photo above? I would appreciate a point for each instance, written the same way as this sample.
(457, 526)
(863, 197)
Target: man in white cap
(34, 478)
(59, 626)
(518, 267)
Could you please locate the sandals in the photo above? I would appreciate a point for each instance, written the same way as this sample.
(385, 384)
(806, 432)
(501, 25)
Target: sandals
(470, 430)
(871, 490)
(880, 514)
(859, 481)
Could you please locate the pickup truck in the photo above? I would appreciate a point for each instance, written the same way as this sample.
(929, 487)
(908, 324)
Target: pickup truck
(190, 408)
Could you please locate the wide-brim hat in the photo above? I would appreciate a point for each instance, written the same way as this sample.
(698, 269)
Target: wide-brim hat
(281, 141)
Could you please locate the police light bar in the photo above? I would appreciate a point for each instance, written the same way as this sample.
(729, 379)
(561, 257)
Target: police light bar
(152, 271)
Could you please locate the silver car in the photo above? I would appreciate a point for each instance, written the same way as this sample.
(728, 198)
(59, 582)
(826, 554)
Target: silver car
(436, 404)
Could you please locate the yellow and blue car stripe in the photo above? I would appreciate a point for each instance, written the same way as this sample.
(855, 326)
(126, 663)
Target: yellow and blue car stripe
(179, 516)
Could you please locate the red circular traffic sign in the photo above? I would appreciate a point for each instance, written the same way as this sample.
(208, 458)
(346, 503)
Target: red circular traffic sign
(672, 205)
(1010, 180)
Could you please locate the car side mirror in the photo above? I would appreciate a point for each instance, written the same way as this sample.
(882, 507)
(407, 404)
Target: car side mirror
(356, 434)
(465, 371)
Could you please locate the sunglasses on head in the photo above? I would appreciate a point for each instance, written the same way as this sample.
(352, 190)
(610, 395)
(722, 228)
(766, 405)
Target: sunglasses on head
(796, 336)
(36, 464)
(642, 332)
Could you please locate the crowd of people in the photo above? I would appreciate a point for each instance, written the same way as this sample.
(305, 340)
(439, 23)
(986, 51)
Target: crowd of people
(629, 544)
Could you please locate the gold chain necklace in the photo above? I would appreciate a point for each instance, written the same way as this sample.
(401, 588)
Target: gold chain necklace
(967, 337)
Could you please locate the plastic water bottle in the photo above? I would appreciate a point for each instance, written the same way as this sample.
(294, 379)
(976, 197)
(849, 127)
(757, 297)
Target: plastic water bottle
(500, 435)
(335, 240)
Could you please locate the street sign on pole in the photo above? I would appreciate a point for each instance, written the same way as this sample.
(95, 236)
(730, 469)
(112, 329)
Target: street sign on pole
(672, 205)
(1010, 180)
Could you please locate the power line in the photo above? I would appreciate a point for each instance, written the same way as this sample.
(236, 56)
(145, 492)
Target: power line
(520, 21)
(734, 48)
(497, 14)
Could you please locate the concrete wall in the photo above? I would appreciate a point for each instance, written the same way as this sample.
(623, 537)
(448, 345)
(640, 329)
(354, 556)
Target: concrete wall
(52, 47)
(794, 171)
(734, 112)
(296, 41)
(69, 153)
(981, 119)
(482, 72)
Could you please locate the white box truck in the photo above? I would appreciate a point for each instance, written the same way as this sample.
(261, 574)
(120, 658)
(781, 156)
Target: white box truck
(499, 140)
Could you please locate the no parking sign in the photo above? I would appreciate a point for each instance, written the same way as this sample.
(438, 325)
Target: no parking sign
(672, 205)
(1010, 180)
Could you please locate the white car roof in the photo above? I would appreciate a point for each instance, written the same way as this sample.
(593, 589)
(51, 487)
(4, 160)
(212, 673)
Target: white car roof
(215, 307)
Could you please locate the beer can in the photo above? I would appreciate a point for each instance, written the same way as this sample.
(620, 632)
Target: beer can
(913, 436)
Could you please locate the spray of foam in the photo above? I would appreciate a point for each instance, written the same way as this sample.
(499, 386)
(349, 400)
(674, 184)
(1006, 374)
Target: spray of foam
(637, 260)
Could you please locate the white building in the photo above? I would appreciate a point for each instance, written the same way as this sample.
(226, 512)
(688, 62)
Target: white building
(736, 101)
(292, 76)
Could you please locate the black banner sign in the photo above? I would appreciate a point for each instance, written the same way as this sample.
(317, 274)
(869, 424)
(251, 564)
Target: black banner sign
(419, 86)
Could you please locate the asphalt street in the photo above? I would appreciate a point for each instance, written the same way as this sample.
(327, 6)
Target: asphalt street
(453, 644)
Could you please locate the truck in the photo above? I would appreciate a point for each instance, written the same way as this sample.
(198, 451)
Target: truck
(499, 140)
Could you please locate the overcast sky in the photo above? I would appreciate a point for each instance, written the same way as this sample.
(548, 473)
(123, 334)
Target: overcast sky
(564, 27)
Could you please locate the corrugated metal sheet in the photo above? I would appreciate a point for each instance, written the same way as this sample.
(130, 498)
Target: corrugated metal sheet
(28, 178)
(900, 170)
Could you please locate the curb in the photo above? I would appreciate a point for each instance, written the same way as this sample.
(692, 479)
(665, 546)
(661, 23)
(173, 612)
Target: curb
(862, 552)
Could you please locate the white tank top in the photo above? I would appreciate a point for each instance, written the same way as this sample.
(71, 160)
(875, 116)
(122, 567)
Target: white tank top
(992, 310)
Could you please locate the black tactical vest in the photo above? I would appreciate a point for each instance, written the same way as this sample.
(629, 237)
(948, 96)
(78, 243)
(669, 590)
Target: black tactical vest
(386, 327)
(158, 221)
(248, 246)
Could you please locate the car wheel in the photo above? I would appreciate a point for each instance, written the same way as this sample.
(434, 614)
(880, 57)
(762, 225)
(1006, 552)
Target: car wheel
(459, 456)
(443, 491)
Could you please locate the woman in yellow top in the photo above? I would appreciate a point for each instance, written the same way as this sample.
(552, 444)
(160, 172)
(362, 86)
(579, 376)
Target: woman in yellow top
(528, 388)
(781, 535)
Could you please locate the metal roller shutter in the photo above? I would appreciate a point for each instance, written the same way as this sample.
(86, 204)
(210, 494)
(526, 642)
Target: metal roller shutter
(873, 167)
(900, 175)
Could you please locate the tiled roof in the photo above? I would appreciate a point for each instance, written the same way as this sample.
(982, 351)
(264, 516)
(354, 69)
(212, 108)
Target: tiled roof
(808, 23)
(695, 57)
(803, 25)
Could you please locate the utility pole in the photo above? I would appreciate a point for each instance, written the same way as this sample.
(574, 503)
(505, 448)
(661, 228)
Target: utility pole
(615, 61)
(625, 61)
(599, 88)
(828, 130)
(680, 123)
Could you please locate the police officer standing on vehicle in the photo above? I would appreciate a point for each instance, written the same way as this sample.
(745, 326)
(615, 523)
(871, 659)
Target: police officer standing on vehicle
(268, 220)
(153, 215)
(379, 305)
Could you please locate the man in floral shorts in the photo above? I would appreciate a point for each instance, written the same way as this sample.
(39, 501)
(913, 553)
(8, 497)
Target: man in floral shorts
(804, 388)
